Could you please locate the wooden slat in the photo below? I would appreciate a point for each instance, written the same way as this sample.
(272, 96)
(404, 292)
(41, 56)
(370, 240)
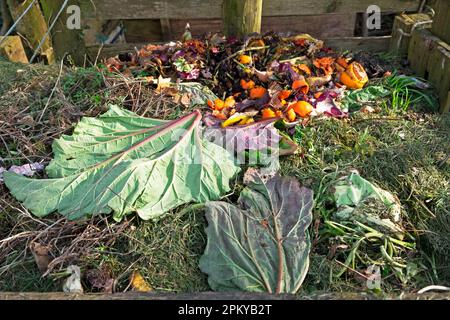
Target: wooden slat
(429, 57)
(196, 9)
(401, 31)
(372, 44)
(12, 49)
(32, 26)
(166, 29)
(438, 71)
(220, 296)
(441, 24)
(143, 30)
(320, 26)
(421, 44)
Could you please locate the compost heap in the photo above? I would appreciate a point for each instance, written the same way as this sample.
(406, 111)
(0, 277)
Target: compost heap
(257, 78)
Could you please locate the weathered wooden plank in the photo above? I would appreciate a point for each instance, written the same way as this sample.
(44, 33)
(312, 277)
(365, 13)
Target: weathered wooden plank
(429, 57)
(401, 31)
(196, 9)
(5, 16)
(32, 26)
(64, 40)
(166, 29)
(241, 17)
(221, 296)
(12, 49)
(438, 71)
(320, 26)
(144, 31)
(199, 27)
(421, 44)
(372, 44)
(441, 23)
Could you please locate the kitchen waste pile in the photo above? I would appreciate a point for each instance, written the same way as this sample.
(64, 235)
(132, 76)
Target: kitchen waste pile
(120, 163)
(255, 79)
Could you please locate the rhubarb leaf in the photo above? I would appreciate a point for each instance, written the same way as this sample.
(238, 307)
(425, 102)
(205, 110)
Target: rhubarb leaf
(262, 244)
(123, 163)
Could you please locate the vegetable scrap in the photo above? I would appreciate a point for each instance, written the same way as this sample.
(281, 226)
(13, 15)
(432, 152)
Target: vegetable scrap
(26, 170)
(262, 244)
(359, 199)
(266, 76)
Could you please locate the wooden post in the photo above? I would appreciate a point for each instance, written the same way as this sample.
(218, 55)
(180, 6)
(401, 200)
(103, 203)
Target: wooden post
(65, 41)
(32, 26)
(241, 17)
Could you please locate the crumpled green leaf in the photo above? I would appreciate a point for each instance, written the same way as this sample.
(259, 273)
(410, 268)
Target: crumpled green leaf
(360, 200)
(123, 163)
(261, 245)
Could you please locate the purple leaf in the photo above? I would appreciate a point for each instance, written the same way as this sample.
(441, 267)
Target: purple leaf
(257, 136)
(256, 103)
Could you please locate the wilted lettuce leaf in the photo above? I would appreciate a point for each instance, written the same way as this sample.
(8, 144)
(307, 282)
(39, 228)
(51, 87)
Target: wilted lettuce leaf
(123, 163)
(360, 200)
(262, 244)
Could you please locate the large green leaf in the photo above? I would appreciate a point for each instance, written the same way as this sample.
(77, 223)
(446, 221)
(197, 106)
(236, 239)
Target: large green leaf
(123, 163)
(261, 245)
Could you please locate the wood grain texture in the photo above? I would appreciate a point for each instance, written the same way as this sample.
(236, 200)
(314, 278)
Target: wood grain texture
(64, 40)
(241, 17)
(196, 9)
(420, 47)
(221, 296)
(32, 26)
(320, 26)
(143, 30)
(429, 57)
(403, 24)
(441, 23)
(12, 49)
(372, 44)
(438, 71)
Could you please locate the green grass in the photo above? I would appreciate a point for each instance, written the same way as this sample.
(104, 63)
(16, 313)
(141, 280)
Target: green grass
(402, 156)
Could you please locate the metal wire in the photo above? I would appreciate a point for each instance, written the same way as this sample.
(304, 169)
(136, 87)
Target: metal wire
(36, 51)
(17, 21)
